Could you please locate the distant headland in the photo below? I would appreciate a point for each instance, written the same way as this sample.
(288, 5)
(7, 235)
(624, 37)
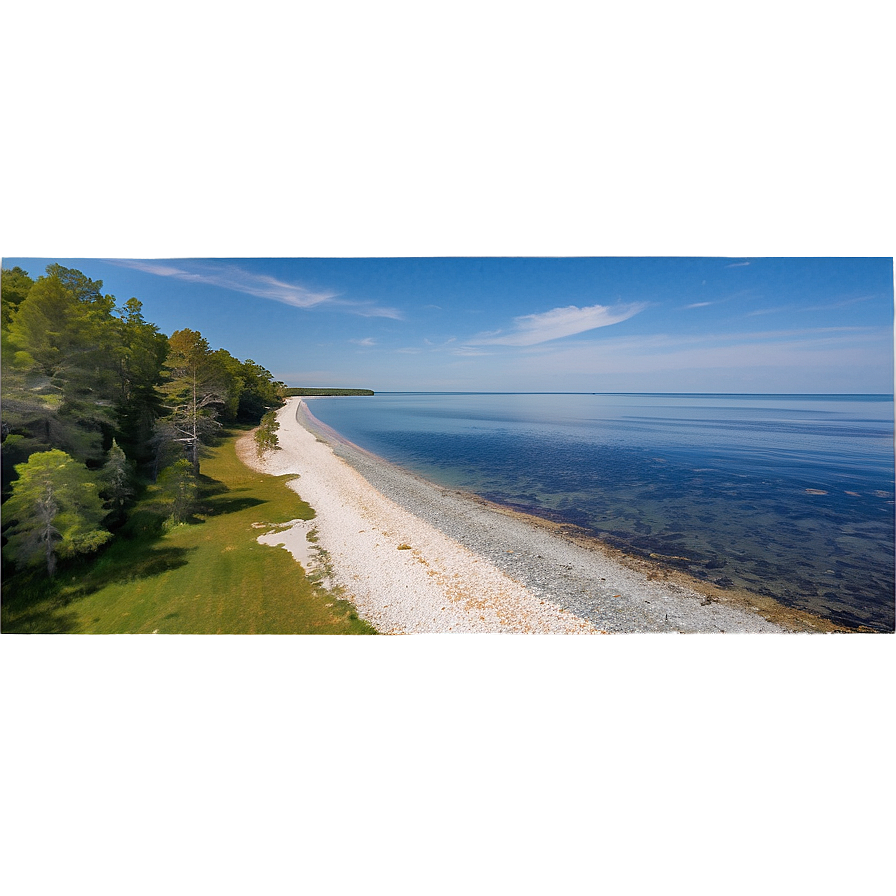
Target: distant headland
(294, 391)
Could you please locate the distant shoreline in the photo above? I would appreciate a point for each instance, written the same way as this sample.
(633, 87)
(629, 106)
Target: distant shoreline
(315, 392)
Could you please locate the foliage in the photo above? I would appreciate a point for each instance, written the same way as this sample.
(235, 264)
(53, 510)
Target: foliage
(14, 286)
(106, 388)
(178, 488)
(194, 390)
(142, 351)
(213, 577)
(260, 392)
(55, 511)
(266, 434)
(293, 391)
(117, 481)
(58, 365)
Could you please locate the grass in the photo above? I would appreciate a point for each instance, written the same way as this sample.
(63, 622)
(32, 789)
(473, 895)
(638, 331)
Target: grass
(206, 576)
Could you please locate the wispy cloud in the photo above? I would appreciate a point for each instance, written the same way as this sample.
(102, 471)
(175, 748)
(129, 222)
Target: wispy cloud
(262, 286)
(738, 264)
(820, 349)
(465, 351)
(698, 305)
(532, 329)
(830, 306)
(759, 311)
(843, 303)
(368, 341)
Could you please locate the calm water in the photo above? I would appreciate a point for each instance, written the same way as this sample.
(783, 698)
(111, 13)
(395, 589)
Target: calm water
(787, 495)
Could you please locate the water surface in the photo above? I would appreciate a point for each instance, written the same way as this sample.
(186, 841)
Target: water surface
(790, 496)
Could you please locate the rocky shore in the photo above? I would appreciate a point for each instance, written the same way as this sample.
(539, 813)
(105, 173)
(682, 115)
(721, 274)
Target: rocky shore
(415, 557)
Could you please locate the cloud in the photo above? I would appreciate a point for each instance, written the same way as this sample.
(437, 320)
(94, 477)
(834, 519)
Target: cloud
(532, 329)
(844, 303)
(467, 352)
(366, 309)
(759, 311)
(698, 305)
(828, 350)
(368, 341)
(738, 264)
(262, 286)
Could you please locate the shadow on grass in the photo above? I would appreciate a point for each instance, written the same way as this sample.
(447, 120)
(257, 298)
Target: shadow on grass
(231, 505)
(52, 620)
(34, 603)
(216, 499)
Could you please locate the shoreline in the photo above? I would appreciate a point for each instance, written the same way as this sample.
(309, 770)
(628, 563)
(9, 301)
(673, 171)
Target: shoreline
(488, 567)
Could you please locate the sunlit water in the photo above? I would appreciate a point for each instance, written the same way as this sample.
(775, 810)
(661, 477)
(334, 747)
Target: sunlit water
(790, 496)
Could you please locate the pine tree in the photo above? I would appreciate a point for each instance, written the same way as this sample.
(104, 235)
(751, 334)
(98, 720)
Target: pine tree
(55, 509)
(195, 389)
(266, 434)
(177, 484)
(58, 364)
(117, 479)
(140, 360)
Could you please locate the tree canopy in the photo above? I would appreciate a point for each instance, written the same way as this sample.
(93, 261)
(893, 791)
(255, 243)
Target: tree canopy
(89, 385)
(56, 511)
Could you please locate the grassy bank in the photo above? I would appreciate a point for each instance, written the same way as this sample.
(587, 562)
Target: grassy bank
(207, 576)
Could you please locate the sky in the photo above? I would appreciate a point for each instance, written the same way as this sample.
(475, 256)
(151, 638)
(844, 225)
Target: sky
(596, 135)
(774, 325)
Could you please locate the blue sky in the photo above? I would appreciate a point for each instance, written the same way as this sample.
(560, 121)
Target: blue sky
(579, 129)
(530, 324)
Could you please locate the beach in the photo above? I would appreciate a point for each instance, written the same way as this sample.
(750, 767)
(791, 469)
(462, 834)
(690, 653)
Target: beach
(414, 557)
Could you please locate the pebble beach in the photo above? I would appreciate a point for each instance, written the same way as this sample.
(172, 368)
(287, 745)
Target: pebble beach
(416, 558)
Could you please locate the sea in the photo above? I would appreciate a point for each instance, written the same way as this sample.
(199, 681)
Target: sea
(788, 496)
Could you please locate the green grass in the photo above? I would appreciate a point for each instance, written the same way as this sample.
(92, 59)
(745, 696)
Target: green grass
(206, 576)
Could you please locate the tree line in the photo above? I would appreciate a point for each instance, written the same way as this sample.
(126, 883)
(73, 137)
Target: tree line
(97, 401)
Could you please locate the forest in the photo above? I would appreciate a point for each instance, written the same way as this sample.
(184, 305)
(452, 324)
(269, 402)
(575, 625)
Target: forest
(97, 407)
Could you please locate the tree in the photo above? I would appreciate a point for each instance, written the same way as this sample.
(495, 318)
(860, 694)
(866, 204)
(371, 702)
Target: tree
(260, 392)
(117, 479)
(58, 365)
(230, 381)
(266, 434)
(142, 353)
(178, 487)
(14, 286)
(195, 388)
(55, 509)
(88, 292)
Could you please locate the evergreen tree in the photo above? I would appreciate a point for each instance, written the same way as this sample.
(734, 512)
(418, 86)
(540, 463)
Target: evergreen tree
(58, 365)
(140, 361)
(260, 392)
(266, 434)
(231, 382)
(116, 479)
(195, 389)
(178, 487)
(55, 511)
(14, 286)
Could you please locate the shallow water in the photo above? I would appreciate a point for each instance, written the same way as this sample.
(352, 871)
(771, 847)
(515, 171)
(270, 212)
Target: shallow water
(791, 496)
